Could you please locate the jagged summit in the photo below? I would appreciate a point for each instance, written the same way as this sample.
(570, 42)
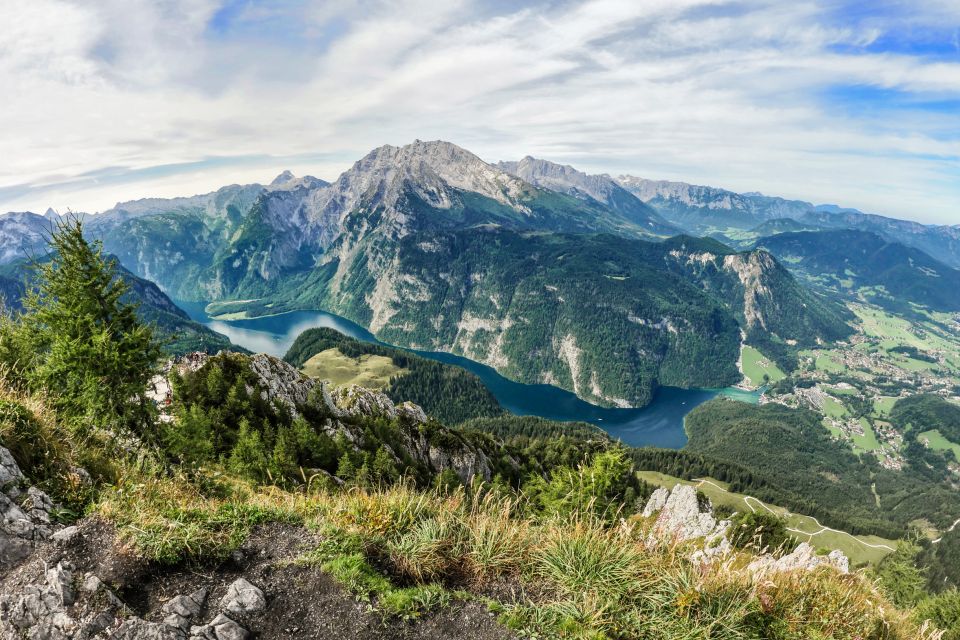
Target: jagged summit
(284, 177)
(424, 163)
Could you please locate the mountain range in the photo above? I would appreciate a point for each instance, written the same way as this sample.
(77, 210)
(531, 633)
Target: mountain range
(548, 274)
(851, 260)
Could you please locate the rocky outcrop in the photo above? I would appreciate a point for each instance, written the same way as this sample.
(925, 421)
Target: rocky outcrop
(24, 513)
(427, 443)
(681, 517)
(354, 400)
(51, 607)
(464, 459)
(804, 557)
(281, 382)
(684, 516)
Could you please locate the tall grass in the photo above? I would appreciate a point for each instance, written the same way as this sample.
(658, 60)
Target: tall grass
(404, 550)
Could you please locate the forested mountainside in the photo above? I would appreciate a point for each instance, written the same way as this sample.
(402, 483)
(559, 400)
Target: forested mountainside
(554, 307)
(852, 261)
(428, 246)
(179, 333)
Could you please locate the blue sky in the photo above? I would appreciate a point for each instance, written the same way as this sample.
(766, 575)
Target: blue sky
(853, 103)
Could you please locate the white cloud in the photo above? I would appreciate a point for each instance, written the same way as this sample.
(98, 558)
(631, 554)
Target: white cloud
(720, 92)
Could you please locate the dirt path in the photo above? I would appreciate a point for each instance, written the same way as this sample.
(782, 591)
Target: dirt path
(952, 527)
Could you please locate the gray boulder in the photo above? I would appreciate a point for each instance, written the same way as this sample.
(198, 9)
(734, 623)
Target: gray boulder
(243, 598)
(220, 628)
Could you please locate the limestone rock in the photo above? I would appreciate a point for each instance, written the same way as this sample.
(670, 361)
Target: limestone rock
(140, 629)
(9, 470)
(66, 534)
(804, 558)
(220, 628)
(243, 598)
(280, 381)
(656, 502)
(355, 400)
(681, 517)
(60, 579)
(411, 413)
(40, 611)
(178, 612)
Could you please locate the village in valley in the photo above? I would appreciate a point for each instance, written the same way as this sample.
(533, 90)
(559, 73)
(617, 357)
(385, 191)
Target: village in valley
(854, 384)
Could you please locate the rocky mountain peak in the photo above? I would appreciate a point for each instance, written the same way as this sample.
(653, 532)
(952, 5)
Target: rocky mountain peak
(423, 163)
(285, 176)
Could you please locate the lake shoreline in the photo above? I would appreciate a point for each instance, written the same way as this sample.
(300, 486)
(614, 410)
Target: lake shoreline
(660, 424)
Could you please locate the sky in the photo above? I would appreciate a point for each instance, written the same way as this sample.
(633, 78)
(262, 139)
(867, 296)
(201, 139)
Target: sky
(831, 101)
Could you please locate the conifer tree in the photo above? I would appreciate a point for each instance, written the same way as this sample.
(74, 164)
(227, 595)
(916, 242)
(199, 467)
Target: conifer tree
(89, 349)
(346, 470)
(247, 457)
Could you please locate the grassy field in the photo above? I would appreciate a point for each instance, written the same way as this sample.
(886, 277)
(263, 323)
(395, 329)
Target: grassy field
(893, 331)
(868, 441)
(937, 442)
(883, 405)
(860, 549)
(833, 409)
(368, 370)
(756, 365)
(824, 361)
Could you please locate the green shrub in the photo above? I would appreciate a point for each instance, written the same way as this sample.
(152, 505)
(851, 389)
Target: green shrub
(760, 531)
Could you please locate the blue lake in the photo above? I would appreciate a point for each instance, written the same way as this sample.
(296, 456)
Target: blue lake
(659, 424)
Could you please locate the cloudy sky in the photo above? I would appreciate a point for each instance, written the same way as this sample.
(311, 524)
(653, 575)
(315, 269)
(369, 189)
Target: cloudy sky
(854, 103)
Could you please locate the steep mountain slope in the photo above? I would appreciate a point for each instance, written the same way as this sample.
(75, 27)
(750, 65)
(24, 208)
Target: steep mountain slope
(174, 326)
(427, 245)
(607, 317)
(599, 188)
(389, 187)
(849, 260)
(172, 242)
(23, 234)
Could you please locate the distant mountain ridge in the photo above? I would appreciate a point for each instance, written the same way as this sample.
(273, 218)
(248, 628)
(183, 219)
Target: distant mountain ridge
(600, 188)
(850, 259)
(708, 210)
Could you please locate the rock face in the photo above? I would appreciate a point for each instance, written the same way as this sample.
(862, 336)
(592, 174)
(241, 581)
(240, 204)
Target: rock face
(602, 188)
(281, 382)
(682, 516)
(456, 453)
(24, 513)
